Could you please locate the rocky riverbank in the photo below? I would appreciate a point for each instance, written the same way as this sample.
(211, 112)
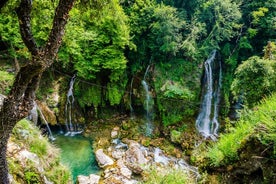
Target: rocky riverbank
(126, 161)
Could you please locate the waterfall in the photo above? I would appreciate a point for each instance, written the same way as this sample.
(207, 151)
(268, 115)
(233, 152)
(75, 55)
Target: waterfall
(71, 129)
(148, 108)
(51, 137)
(205, 123)
(130, 100)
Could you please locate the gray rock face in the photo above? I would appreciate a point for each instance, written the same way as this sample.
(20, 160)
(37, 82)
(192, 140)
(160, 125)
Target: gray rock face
(102, 159)
(91, 179)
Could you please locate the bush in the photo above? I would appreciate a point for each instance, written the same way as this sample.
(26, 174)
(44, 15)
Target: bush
(259, 124)
(6, 80)
(175, 176)
(255, 78)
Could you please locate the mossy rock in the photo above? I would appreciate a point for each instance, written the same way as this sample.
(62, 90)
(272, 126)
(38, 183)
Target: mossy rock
(176, 136)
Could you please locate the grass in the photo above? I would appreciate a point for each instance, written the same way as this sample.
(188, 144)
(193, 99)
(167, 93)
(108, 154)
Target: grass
(28, 137)
(168, 176)
(259, 122)
(6, 80)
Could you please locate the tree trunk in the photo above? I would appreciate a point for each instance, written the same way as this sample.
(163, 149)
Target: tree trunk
(21, 97)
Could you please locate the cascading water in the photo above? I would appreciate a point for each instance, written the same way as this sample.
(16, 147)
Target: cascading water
(205, 123)
(71, 129)
(130, 100)
(51, 137)
(148, 108)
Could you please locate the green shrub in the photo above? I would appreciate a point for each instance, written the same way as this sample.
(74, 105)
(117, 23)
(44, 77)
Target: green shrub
(31, 177)
(6, 80)
(259, 123)
(29, 137)
(169, 176)
(254, 79)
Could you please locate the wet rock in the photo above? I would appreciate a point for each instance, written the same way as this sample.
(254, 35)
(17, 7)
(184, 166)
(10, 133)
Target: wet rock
(124, 171)
(48, 113)
(118, 154)
(91, 179)
(102, 159)
(135, 158)
(115, 132)
(176, 136)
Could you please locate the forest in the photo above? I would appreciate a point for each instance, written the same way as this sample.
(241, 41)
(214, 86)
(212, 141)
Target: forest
(137, 91)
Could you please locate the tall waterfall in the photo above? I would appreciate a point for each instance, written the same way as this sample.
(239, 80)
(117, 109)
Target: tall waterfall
(148, 105)
(207, 120)
(51, 137)
(71, 128)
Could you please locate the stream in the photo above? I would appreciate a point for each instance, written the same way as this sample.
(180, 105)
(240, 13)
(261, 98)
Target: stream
(77, 154)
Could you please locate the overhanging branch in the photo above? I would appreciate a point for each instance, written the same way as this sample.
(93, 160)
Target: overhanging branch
(24, 16)
(58, 29)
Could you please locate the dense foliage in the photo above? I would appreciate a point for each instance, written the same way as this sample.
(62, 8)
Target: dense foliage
(254, 79)
(110, 44)
(124, 37)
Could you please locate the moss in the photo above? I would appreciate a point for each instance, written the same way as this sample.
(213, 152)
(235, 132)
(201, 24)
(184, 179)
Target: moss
(175, 136)
(27, 137)
(177, 86)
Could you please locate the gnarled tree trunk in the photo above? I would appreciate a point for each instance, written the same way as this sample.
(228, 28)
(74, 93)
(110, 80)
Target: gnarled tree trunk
(21, 97)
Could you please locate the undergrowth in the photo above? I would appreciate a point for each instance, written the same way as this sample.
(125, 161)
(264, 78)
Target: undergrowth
(43, 160)
(259, 123)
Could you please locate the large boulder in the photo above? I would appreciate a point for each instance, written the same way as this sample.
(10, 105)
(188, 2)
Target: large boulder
(135, 158)
(124, 171)
(91, 179)
(103, 159)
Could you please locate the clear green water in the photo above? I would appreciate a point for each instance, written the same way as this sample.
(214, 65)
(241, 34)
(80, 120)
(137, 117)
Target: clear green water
(77, 154)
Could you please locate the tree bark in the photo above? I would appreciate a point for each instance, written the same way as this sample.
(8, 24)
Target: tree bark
(21, 97)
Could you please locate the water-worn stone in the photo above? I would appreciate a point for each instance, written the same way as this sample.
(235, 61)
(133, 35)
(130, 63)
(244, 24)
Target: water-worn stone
(103, 159)
(91, 179)
(135, 158)
(124, 171)
(115, 132)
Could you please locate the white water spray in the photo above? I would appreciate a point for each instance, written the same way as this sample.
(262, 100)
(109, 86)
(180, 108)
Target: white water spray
(148, 105)
(205, 123)
(71, 129)
(51, 137)
(130, 100)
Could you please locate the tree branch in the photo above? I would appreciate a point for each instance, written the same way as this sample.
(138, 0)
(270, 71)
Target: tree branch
(58, 29)
(24, 16)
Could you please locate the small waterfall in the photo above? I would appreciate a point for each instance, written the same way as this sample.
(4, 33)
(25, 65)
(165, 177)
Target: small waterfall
(148, 105)
(130, 100)
(205, 123)
(33, 114)
(71, 129)
(51, 137)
